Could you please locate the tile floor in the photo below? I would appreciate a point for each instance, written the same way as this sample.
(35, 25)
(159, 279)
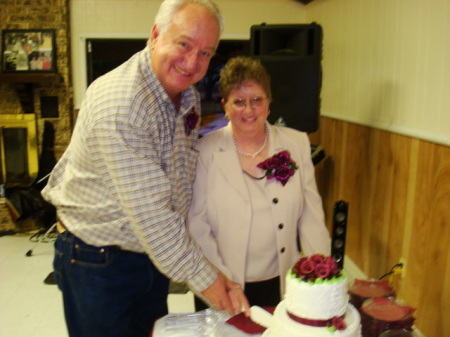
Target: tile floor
(28, 306)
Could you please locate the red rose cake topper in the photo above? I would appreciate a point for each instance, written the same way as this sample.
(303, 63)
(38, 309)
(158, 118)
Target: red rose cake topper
(316, 266)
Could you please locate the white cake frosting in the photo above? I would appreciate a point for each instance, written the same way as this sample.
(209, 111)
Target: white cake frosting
(313, 300)
(316, 300)
(283, 326)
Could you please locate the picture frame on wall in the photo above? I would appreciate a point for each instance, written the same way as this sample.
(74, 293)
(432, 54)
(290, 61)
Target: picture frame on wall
(29, 51)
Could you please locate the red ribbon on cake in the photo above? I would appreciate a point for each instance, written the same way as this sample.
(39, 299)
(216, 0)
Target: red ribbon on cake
(336, 322)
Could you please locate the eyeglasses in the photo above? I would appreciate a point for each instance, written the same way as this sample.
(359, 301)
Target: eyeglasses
(255, 102)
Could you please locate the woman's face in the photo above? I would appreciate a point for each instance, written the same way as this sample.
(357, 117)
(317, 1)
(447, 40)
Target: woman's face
(247, 107)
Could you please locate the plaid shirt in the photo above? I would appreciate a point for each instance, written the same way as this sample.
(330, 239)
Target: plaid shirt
(126, 177)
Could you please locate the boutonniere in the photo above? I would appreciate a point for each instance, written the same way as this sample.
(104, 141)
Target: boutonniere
(190, 121)
(280, 166)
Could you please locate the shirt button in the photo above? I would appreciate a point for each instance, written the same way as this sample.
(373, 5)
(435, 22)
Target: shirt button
(282, 250)
(275, 200)
(280, 226)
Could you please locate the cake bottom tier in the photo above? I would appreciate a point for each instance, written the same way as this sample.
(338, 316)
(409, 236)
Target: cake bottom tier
(283, 326)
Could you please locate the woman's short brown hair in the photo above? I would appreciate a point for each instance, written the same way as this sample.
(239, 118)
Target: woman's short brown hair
(240, 69)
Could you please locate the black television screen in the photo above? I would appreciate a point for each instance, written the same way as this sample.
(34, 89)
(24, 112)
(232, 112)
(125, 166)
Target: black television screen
(208, 86)
(104, 55)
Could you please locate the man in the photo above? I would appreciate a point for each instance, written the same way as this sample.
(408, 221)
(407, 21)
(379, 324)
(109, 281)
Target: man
(123, 187)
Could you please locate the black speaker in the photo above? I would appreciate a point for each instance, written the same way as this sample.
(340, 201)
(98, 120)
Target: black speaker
(292, 56)
(340, 215)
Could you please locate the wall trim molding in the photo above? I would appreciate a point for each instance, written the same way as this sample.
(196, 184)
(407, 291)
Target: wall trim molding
(438, 138)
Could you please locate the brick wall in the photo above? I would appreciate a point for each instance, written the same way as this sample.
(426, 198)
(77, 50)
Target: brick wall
(40, 14)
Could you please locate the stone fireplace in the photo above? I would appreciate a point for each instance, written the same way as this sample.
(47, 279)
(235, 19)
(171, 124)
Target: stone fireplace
(30, 100)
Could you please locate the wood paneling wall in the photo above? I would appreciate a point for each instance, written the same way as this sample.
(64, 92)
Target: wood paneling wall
(398, 190)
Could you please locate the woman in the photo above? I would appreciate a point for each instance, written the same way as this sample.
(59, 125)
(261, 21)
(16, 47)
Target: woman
(249, 208)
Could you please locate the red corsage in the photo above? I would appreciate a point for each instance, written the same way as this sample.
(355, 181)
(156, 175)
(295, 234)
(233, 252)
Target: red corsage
(190, 121)
(280, 166)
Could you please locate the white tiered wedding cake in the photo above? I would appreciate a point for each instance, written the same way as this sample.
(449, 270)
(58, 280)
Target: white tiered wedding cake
(315, 304)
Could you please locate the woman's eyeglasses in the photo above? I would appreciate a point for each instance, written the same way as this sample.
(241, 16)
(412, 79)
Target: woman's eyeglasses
(255, 103)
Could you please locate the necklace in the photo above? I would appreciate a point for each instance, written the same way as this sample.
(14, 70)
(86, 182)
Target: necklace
(253, 177)
(252, 155)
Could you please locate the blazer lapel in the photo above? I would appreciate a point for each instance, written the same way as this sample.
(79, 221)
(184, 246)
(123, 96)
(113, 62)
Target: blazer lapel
(228, 162)
(275, 145)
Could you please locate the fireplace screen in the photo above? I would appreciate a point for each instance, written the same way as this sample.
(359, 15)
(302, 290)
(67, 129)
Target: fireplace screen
(18, 149)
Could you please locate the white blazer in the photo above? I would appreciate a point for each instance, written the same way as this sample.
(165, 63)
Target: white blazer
(220, 214)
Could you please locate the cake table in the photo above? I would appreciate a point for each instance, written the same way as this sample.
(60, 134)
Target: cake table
(206, 323)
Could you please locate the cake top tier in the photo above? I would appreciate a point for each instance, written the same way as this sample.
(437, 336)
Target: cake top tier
(316, 289)
(316, 268)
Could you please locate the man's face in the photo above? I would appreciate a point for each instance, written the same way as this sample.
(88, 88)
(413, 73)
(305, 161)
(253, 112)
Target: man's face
(181, 56)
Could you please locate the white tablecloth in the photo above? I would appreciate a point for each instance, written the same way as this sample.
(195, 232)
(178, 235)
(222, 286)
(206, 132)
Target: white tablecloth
(207, 323)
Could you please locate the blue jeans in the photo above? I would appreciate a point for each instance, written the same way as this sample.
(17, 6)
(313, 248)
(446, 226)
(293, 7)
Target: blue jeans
(108, 292)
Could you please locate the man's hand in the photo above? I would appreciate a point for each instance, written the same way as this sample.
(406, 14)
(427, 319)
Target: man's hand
(226, 295)
(239, 300)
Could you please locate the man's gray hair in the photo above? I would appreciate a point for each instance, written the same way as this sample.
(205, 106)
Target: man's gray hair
(168, 8)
